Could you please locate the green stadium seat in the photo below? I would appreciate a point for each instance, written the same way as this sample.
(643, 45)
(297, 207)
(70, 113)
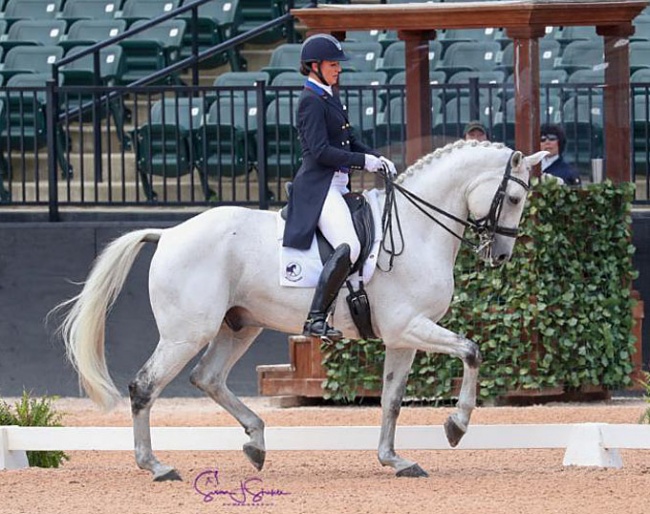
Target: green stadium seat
(284, 153)
(31, 10)
(363, 112)
(75, 10)
(34, 32)
(152, 50)
(456, 112)
(451, 36)
(639, 55)
(394, 61)
(163, 147)
(25, 128)
(462, 78)
(582, 117)
(581, 55)
(478, 56)
(80, 72)
(362, 56)
(89, 32)
(134, 10)
(3, 27)
(640, 76)
(217, 22)
(351, 81)
(285, 57)
(30, 59)
(576, 33)
(504, 128)
(240, 80)
(225, 145)
(258, 12)
(549, 54)
(641, 28)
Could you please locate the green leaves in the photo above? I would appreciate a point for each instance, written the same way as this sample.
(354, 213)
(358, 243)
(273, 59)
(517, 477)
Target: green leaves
(557, 315)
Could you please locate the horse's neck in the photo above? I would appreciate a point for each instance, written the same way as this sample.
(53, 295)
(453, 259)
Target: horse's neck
(443, 187)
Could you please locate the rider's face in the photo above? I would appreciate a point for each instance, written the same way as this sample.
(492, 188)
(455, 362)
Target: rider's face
(330, 71)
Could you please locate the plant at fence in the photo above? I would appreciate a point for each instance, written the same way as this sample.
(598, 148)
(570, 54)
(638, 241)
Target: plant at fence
(557, 315)
(34, 412)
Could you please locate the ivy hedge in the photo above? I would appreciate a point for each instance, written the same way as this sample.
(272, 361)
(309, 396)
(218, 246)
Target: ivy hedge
(557, 315)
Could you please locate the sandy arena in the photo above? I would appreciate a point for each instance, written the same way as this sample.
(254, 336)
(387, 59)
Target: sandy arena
(461, 481)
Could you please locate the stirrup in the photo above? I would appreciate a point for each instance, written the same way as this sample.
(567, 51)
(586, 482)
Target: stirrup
(318, 327)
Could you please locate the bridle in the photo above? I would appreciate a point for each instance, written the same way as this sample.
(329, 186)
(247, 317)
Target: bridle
(485, 228)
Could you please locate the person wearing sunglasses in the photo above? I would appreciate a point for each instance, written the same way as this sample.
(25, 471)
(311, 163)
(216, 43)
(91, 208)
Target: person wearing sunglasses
(553, 140)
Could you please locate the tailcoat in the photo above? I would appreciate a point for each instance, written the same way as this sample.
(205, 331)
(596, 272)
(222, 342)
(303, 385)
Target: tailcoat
(328, 145)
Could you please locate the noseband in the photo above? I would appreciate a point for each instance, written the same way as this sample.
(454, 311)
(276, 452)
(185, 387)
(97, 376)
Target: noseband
(485, 228)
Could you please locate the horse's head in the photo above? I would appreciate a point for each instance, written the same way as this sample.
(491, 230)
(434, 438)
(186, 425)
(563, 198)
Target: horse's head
(496, 201)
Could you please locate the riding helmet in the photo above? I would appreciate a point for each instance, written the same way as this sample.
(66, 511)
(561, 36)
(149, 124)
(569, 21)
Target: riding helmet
(322, 47)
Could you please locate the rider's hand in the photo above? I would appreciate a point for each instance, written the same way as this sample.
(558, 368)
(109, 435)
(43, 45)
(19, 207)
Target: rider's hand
(373, 164)
(392, 170)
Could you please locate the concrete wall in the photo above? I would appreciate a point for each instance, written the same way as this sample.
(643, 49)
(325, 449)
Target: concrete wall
(40, 264)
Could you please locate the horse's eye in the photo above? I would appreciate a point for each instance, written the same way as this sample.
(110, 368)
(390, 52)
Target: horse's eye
(514, 200)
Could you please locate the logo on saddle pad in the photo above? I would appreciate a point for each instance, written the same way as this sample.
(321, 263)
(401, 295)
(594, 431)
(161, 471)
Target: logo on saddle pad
(293, 272)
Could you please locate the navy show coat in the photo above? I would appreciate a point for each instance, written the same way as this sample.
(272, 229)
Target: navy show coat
(328, 145)
(562, 169)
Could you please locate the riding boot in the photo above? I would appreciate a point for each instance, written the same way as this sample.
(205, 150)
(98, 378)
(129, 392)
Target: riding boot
(335, 271)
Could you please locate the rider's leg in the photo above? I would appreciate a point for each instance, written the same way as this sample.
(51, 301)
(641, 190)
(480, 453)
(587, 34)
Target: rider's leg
(336, 225)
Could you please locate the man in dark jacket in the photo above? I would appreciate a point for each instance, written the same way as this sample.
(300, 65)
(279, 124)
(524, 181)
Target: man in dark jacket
(330, 152)
(553, 140)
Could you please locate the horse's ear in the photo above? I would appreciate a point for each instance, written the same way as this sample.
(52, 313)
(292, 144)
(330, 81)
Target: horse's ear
(516, 160)
(536, 158)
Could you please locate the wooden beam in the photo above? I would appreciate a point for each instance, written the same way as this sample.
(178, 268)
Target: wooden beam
(418, 123)
(617, 163)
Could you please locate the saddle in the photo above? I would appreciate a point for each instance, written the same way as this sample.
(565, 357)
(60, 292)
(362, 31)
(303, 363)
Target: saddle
(364, 226)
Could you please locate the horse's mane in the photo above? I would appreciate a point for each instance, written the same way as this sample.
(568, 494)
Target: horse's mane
(441, 152)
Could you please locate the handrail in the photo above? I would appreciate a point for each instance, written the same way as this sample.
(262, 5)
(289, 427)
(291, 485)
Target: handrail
(126, 34)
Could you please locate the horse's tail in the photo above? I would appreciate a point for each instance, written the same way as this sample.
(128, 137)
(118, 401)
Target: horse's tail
(83, 327)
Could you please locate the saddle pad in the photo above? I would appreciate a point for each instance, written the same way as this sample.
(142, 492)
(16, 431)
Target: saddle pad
(302, 268)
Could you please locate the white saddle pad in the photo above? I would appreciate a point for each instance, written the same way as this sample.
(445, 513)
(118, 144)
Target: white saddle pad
(301, 268)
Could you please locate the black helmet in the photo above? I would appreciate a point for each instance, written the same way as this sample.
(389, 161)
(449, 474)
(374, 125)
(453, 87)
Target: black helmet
(322, 47)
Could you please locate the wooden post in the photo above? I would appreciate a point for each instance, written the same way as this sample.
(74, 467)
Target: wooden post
(526, 47)
(418, 106)
(617, 163)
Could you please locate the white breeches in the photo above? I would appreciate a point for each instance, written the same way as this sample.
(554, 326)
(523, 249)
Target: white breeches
(335, 221)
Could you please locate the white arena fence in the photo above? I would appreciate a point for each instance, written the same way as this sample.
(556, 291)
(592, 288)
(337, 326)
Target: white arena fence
(585, 444)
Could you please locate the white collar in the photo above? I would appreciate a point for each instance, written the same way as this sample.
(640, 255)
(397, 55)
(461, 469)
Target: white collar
(547, 161)
(327, 89)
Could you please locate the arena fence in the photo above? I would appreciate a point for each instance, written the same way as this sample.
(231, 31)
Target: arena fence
(198, 146)
(585, 444)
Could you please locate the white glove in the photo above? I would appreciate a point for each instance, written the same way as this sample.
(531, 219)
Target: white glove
(392, 170)
(373, 164)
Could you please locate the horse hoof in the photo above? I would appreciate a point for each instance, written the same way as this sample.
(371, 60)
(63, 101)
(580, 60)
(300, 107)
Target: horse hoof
(255, 455)
(453, 431)
(414, 471)
(171, 475)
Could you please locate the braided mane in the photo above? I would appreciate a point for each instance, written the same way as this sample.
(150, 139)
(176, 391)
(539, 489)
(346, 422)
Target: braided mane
(440, 152)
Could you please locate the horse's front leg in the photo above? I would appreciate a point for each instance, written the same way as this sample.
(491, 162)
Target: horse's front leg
(423, 334)
(396, 370)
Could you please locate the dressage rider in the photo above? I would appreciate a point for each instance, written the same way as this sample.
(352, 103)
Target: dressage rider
(330, 152)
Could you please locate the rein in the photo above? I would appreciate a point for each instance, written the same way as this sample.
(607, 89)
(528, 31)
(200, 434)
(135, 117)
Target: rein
(485, 228)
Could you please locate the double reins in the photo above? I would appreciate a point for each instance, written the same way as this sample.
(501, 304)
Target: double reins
(485, 228)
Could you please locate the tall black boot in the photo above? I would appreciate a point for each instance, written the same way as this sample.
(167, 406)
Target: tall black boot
(335, 271)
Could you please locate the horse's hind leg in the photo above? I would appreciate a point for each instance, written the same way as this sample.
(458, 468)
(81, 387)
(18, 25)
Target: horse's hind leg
(397, 365)
(165, 363)
(210, 376)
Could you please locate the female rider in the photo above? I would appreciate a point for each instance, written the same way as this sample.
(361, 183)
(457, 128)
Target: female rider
(330, 152)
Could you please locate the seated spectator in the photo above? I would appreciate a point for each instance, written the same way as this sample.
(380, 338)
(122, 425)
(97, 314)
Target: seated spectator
(553, 140)
(475, 130)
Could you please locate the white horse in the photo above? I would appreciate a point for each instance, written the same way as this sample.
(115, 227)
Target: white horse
(213, 284)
